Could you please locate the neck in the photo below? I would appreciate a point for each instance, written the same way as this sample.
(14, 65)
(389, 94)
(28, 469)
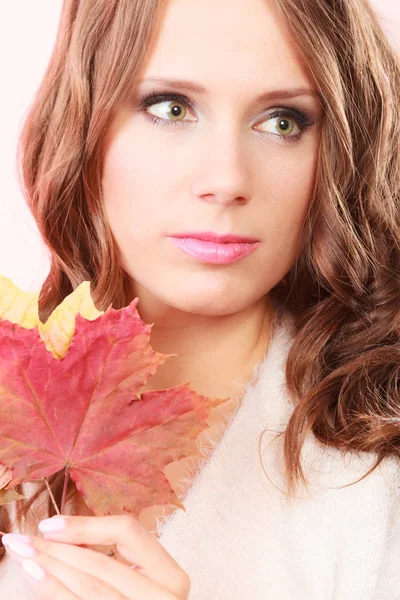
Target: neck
(217, 355)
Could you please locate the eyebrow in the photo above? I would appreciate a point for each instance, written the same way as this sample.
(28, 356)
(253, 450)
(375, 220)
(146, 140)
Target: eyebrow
(192, 86)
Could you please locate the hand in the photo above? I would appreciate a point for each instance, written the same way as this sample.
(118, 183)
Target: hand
(63, 570)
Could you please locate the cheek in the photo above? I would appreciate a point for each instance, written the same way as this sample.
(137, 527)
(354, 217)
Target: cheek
(141, 175)
(131, 191)
(296, 196)
(289, 198)
(137, 160)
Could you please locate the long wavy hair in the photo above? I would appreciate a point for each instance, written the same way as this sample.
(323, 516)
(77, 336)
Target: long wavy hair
(343, 367)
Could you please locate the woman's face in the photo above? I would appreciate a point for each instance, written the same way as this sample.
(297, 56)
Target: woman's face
(219, 159)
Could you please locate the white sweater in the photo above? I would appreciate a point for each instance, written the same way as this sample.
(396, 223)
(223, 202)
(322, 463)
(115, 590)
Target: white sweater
(239, 539)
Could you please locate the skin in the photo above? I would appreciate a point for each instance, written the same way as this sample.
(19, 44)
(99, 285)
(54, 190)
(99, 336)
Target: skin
(220, 168)
(229, 170)
(65, 569)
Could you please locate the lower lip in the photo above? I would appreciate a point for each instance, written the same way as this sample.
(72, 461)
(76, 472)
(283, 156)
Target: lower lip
(213, 252)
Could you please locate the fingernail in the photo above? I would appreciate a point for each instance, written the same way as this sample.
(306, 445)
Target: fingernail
(54, 525)
(19, 548)
(15, 537)
(33, 570)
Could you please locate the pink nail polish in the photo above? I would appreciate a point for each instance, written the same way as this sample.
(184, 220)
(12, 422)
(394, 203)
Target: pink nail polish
(33, 570)
(23, 550)
(16, 537)
(54, 525)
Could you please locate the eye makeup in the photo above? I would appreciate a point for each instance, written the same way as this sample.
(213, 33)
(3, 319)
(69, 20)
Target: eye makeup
(302, 118)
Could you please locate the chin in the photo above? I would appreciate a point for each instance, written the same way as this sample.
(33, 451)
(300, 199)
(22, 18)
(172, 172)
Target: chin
(208, 303)
(193, 293)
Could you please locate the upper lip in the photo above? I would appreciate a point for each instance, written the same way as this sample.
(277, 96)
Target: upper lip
(212, 236)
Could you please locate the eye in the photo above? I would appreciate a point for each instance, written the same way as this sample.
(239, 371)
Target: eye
(169, 110)
(281, 125)
(173, 108)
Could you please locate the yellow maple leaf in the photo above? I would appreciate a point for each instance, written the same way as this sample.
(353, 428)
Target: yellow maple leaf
(58, 330)
(18, 306)
(22, 308)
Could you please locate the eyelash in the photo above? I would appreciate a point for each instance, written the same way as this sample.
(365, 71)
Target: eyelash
(302, 119)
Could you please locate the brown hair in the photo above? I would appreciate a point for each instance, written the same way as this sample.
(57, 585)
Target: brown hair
(343, 365)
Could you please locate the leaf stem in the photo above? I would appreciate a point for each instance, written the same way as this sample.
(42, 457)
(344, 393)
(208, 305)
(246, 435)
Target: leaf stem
(51, 496)
(64, 494)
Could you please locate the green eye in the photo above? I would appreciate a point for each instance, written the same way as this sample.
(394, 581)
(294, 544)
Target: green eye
(283, 126)
(174, 111)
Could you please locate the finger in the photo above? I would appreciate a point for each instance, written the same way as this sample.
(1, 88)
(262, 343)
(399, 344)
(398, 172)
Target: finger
(137, 545)
(52, 579)
(89, 565)
(49, 587)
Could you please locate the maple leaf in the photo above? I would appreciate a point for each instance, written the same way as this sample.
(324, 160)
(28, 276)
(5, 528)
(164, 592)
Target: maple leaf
(16, 305)
(21, 307)
(7, 496)
(69, 398)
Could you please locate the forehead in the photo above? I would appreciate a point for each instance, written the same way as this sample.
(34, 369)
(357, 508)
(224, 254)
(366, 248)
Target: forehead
(246, 41)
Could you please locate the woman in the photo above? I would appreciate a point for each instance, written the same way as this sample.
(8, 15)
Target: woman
(277, 121)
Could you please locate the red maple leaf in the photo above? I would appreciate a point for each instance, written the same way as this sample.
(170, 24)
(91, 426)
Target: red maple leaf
(84, 412)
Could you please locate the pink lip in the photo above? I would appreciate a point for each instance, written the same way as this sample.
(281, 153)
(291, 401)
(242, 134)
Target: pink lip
(215, 252)
(211, 236)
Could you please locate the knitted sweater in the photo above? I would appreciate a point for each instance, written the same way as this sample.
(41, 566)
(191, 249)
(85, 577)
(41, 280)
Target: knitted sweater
(240, 539)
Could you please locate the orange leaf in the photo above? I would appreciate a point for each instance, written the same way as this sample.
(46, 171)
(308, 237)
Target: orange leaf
(83, 411)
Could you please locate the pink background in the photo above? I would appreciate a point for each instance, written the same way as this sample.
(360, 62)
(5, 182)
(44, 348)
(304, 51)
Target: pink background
(27, 36)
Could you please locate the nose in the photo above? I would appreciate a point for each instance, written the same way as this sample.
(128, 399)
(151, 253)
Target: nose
(222, 175)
